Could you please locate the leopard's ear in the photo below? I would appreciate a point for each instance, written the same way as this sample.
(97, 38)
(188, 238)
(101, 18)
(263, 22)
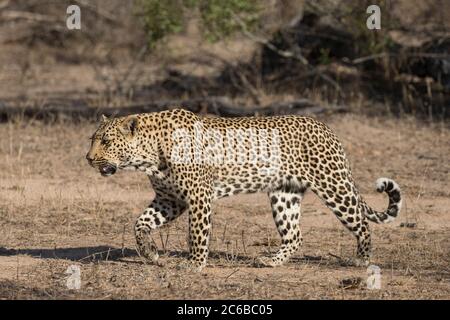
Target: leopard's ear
(129, 126)
(103, 118)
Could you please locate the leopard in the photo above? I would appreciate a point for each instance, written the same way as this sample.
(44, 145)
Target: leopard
(192, 160)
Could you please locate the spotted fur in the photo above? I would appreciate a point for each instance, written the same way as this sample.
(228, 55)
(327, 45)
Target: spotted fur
(311, 157)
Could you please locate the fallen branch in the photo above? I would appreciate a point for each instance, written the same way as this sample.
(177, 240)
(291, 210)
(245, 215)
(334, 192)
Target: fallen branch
(406, 55)
(78, 110)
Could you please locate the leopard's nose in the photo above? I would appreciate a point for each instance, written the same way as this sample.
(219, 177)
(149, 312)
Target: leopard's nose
(89, 157)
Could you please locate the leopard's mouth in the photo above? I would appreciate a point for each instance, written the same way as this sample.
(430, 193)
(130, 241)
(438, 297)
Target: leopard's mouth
(107, 170)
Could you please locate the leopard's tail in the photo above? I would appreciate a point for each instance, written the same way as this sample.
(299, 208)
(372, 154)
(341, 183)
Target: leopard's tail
(395, 202)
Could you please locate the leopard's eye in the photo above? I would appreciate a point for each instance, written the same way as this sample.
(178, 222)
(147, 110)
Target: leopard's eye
(105, 141)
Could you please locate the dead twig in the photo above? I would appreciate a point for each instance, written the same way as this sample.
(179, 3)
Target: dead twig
(232, 273)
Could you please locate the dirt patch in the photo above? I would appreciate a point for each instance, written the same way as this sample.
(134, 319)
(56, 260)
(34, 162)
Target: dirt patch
(55, 211)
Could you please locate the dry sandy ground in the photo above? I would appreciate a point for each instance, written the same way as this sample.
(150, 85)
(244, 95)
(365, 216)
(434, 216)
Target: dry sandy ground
(55, 211)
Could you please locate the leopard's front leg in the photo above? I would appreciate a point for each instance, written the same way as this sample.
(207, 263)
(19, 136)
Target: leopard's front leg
(198, 190)
(160, 212)
(165, 207)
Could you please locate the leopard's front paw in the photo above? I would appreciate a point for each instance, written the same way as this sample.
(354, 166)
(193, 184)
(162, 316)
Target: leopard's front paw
(149, 253)
(191, 265)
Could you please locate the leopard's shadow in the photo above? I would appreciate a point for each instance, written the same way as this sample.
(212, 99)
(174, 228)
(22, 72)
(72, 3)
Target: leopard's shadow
(107, 253)
(80, 254)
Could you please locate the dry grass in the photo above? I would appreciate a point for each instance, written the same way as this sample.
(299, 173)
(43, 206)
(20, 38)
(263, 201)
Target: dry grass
(56, 211)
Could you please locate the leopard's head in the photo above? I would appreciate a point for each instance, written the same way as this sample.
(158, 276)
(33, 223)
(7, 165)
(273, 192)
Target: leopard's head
(116, 145)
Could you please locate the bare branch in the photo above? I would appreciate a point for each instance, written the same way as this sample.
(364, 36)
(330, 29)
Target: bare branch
(387, 54)
(14, 15)
(267, 43)
(284, 53)
(101, 13)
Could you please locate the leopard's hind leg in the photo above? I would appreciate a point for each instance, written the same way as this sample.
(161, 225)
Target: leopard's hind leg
(344, 200)
(286, 213)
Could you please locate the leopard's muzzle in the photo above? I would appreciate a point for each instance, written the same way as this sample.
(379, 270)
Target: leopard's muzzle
(105, 168)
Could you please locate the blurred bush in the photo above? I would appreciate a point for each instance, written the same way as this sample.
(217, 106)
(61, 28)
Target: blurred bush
(302, 48)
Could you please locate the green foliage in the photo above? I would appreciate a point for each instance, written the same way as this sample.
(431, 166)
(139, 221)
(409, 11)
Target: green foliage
(218, 18)
(160, 18)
